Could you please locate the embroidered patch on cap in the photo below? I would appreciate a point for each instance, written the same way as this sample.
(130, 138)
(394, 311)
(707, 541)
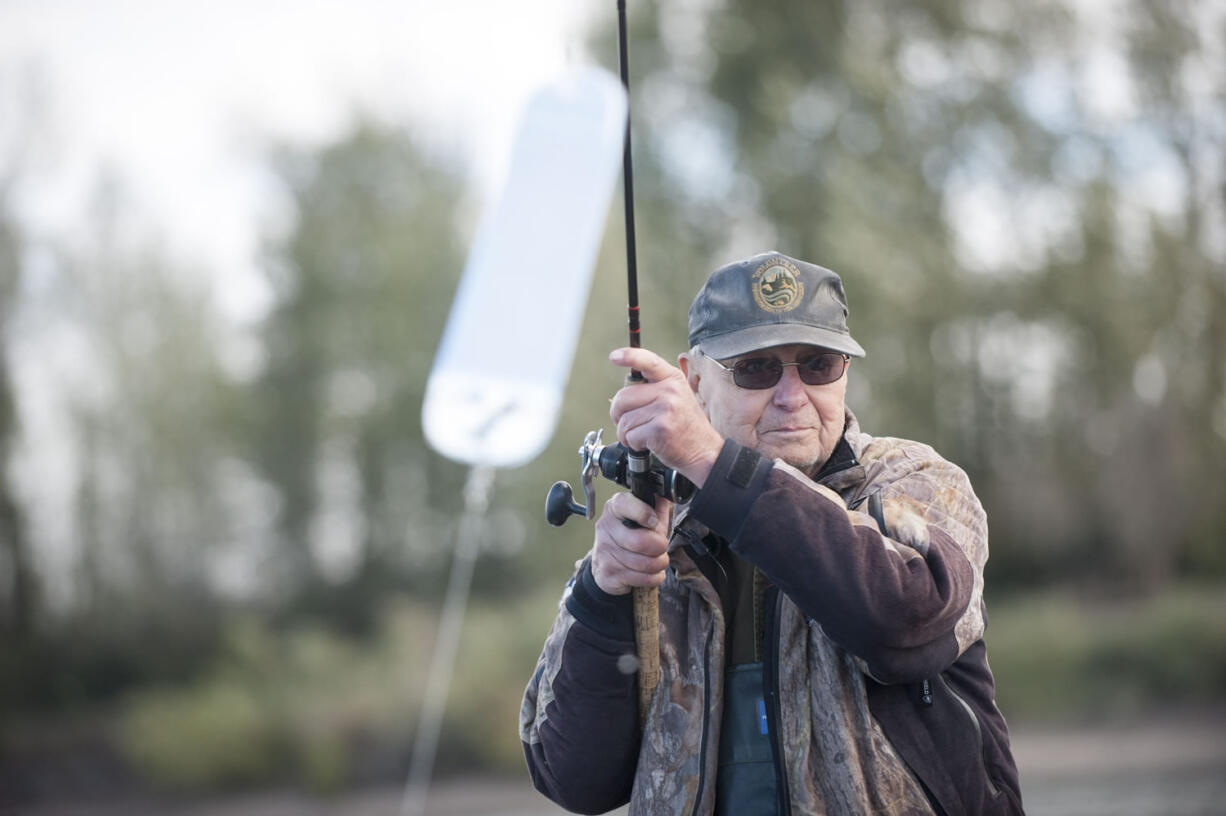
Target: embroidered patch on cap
(777, 286)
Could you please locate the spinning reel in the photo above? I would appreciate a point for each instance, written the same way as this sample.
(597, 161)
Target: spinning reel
(615, 464)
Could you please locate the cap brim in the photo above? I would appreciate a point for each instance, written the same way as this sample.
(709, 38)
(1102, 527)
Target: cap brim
(756, 338)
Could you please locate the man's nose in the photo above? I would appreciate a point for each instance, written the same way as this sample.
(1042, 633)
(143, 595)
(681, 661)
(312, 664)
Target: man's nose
(790, 390)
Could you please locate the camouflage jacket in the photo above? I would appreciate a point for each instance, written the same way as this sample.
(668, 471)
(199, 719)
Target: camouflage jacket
(878, 684)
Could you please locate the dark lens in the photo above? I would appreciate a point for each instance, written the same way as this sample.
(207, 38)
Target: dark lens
(757, 372)
(821, 369)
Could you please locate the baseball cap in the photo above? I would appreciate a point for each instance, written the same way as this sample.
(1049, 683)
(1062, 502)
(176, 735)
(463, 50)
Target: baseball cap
(770, 300)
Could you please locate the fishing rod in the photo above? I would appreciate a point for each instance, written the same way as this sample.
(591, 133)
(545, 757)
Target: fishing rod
(639, 462)
(646, 599)
(637, 470)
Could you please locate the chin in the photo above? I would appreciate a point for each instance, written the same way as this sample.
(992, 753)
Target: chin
(801, 460)
(802, 457)
(807, 466)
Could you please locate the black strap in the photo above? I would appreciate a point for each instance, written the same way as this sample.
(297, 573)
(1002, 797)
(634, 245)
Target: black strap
(877, 511)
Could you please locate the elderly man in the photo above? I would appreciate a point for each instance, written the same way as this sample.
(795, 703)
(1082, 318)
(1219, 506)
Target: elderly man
(821, 610)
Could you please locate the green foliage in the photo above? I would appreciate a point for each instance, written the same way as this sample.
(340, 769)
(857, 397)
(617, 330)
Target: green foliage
(90, 660)
(304, 705)
(215, 737)
(1059, 656)
(321, 709)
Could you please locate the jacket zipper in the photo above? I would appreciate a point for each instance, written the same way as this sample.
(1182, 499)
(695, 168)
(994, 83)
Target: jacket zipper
(706, 718)
(774, 711)
(699, 552)
(970, 712)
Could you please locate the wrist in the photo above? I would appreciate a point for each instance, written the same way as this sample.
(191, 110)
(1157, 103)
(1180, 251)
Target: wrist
(608, 613)
(700, 468)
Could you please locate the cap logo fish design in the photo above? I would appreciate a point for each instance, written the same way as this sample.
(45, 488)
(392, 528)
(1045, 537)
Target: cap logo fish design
(777, 286)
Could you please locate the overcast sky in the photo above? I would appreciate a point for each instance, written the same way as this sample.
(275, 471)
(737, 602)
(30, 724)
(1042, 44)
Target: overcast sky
(180, 97)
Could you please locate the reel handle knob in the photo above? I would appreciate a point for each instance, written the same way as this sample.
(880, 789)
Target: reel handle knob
(560, 504)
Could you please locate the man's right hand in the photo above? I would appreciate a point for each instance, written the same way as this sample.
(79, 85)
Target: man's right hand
(625, 557)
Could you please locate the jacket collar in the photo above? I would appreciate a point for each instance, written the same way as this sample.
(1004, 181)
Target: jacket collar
(843, 468)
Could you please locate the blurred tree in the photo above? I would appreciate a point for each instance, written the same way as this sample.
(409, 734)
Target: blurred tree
(144, 395)
(18, 581)
(1026, 205)
(363, 280)
(145, 405)
(20, 589)
(130, 395)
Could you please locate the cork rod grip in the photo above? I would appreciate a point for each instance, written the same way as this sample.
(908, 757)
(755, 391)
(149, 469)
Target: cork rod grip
(647, 637)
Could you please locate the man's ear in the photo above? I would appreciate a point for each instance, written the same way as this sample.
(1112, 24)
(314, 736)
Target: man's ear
(689, 367)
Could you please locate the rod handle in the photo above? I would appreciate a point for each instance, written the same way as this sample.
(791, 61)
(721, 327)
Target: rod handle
(647, 642)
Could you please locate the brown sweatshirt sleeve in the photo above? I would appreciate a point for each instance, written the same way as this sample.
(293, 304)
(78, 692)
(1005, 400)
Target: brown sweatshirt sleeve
(904, 614)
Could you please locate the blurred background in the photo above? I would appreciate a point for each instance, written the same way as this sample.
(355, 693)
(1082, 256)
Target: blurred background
(229, 237)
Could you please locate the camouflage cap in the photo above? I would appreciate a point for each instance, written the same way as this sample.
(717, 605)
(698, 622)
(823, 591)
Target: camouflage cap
(770, 300)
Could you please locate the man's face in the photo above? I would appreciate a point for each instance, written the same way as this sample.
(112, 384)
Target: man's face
(797, 423)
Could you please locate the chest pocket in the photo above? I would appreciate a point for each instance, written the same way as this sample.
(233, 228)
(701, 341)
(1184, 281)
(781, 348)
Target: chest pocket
(747, 781)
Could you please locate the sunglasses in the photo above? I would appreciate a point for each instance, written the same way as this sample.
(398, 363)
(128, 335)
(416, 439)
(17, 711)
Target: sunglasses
(756, 373)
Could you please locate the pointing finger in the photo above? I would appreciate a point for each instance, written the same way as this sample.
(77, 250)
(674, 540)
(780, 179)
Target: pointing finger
(651, 365)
